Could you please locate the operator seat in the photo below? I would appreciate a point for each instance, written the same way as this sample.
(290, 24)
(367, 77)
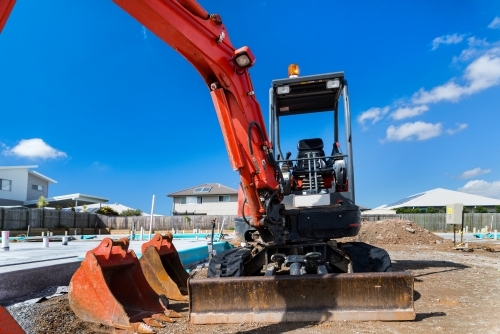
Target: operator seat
(309, 148)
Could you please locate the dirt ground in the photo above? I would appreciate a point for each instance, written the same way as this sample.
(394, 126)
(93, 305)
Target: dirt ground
(455, 291)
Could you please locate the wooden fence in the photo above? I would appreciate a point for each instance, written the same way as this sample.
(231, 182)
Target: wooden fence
(163, 223)
(436, 222)
(19, 219)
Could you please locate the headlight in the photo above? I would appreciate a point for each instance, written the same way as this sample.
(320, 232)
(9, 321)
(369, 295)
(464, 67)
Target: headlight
(332, 84)
(283, 90)
(244, 58)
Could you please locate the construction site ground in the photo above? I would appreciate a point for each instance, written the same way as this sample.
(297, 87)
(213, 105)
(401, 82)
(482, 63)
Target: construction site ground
(455, 291)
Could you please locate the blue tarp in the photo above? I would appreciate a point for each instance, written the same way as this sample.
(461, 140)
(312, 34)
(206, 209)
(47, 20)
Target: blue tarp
(485, 236)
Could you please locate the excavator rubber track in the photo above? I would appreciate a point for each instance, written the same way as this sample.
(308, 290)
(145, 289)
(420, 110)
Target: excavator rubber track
(163, 268)
(110, 288)
(328, 297)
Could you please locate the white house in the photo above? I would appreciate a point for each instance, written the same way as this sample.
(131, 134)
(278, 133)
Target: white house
(205, 199)
(20, 185)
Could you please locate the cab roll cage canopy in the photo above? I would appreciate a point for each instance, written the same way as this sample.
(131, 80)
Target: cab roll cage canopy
(311, 94)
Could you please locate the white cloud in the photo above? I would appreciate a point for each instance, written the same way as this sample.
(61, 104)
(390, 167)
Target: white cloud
(447, 39)
(475, 49)
(418, 130)
(468, 174)
(482, 188)
(482, 73)
(374, 115)
(406, 112)
(460, 127)
(33, 149)
(495, 24)
(449, 91)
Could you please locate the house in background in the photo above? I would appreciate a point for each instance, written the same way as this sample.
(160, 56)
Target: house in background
(439, 198)
(20, 185)
(205, 199)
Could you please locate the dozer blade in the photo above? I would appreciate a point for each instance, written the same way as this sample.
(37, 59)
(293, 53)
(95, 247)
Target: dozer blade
(163, 269)
(330, 297)
(109, 288)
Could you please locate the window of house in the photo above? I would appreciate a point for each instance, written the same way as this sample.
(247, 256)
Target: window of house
(224, 198)
(191, 200)
(202, 190)
(5, 184)
(36, 187)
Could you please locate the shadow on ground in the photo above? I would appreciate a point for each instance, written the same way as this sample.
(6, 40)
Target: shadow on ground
(427, 264)
(279, 328)
(423, 316)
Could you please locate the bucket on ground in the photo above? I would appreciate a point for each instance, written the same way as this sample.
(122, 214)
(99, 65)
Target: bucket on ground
(109, 288)
(162, 267)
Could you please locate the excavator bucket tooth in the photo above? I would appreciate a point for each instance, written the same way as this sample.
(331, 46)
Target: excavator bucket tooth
(163, 268)
(153, 322)
(328, 297)
(162, 317)
(109, 288)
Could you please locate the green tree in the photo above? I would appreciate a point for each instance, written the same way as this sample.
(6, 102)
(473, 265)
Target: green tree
(188, 220)
(480, 209)
(107, 210)
(466, 210)
(497, 209)
(131, 212)
(430, 209)
(42, 202)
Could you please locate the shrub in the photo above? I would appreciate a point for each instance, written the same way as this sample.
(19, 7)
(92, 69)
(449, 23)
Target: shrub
(131, 212)
(42, 202)
(480, 209)
(430, 210)
(107, 210)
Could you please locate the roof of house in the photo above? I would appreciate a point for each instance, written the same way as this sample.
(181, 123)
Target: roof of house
(41, 176)
(73, 199)
(19, 167)
(28, 167)
(116, 206)
(441, 197)
(206, 189)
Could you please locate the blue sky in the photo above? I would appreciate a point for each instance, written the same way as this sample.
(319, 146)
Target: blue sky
(105, 108)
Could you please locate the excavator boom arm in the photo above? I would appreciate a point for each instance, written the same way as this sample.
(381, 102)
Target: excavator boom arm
(203, 40)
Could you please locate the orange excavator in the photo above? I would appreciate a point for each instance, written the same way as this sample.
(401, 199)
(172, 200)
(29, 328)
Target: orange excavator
(290, 266)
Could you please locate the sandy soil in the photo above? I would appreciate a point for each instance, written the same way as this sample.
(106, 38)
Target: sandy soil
(455, 291)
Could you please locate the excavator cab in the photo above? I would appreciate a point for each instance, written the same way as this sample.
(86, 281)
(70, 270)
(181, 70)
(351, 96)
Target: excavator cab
(312, 172)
